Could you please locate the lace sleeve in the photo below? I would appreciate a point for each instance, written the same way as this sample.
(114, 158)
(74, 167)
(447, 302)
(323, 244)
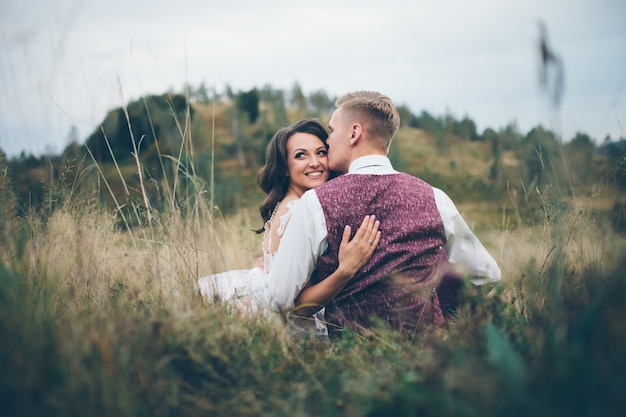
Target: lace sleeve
(284, 219)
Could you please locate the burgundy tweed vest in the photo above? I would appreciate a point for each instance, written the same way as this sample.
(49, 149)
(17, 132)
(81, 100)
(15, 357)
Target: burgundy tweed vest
(397, 285)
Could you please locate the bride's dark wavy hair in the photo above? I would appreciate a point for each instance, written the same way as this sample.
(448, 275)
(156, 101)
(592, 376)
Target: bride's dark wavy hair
(272, 178)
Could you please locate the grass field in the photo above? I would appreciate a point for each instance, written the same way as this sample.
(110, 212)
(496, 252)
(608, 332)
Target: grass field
(100, 319)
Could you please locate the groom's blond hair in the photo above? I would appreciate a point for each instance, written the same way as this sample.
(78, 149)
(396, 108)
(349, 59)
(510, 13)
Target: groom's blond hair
(382, 116)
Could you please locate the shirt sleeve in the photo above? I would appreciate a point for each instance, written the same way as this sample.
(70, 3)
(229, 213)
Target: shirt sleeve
(463, 249)
(296, 259)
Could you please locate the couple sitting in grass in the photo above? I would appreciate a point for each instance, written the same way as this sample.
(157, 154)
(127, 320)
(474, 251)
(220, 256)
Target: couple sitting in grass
(409, 254)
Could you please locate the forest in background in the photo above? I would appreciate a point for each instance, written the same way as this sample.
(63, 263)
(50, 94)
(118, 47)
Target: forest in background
(197, 143)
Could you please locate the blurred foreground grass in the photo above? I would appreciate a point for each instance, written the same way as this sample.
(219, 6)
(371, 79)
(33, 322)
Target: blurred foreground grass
(96, 320)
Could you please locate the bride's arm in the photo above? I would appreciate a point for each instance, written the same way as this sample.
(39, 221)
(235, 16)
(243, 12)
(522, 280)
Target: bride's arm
(353, 254)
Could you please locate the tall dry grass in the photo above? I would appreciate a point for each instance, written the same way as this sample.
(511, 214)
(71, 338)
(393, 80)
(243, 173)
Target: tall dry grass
(100, 315)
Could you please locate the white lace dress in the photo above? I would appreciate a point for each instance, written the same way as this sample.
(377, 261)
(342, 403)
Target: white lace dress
(248, 289)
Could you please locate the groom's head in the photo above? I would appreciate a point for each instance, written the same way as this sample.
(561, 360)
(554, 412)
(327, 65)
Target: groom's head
(364, 123)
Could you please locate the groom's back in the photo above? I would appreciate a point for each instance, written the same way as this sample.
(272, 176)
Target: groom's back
(397, 283)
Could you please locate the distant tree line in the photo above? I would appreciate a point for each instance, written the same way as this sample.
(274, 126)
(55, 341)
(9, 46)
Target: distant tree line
(199, 140)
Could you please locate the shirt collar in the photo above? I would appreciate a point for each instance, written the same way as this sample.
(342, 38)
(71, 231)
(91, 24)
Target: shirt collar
(369, 163)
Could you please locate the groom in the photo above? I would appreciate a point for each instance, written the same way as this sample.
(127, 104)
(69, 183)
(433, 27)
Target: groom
(421, 229)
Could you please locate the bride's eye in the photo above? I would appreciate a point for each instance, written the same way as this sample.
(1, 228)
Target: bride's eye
(322, 152)
(299, 155)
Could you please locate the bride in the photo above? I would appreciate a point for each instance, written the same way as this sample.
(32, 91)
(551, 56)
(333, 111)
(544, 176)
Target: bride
(296, 161)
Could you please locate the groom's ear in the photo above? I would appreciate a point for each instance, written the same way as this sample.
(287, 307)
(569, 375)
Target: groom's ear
(356, 133)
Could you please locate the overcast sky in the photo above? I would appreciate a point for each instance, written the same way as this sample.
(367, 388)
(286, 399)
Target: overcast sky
(68, 62)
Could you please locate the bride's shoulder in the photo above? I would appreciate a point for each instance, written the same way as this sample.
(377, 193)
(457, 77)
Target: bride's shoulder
(284, 214)
(287, 205)
(291, 204)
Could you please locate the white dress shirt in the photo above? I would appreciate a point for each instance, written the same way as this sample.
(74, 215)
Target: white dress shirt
(305, 240)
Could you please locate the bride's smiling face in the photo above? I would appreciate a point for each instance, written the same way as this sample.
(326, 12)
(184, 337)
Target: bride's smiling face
(307, 162)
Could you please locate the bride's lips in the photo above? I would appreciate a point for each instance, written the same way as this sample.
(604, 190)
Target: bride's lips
(315, 174)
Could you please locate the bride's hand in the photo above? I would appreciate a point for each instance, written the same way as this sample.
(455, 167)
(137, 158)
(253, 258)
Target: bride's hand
(355, 253)
(259, 262)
